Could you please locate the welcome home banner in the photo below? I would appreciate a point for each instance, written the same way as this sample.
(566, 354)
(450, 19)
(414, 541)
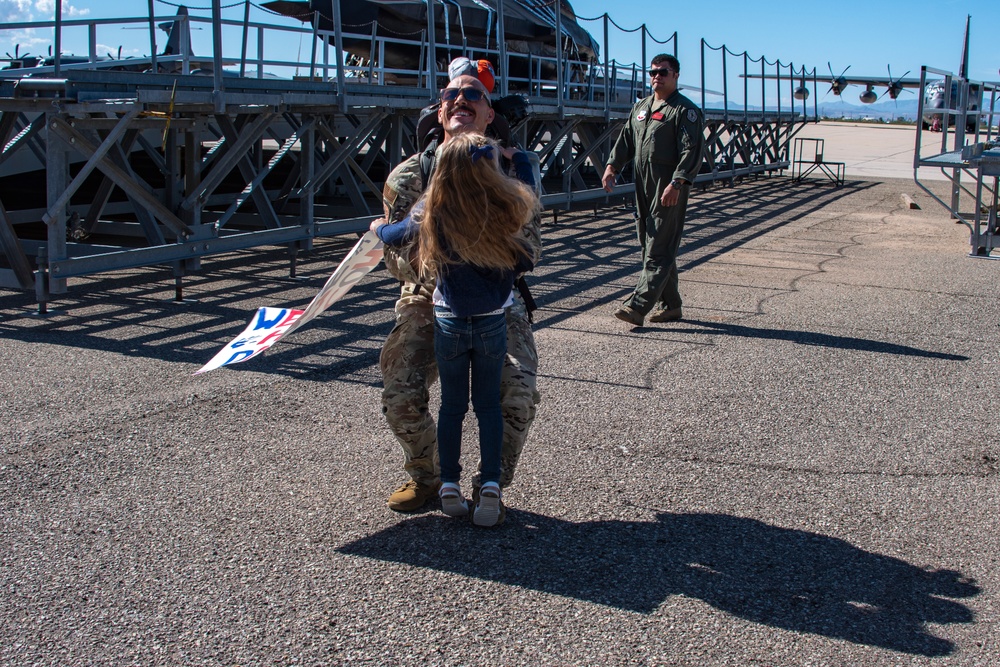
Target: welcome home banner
(269, 325)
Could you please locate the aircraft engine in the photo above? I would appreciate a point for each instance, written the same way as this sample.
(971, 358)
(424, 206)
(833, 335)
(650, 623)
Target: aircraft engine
(895, 87)
(837, 83)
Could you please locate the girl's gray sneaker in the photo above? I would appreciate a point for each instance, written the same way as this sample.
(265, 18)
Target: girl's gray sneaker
(452, 502)
(489, 510)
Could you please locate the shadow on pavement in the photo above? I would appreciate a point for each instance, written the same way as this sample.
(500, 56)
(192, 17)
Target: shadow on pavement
(133, 314)
(789, 579)
(584, 251)
(819, 339)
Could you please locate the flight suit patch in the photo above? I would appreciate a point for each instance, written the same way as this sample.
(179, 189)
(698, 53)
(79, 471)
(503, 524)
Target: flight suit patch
(692, 115)
(389, 195)
(641, 115)
(658, 116)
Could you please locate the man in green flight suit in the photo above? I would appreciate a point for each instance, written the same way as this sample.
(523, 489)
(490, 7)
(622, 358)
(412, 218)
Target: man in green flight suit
(665, 138)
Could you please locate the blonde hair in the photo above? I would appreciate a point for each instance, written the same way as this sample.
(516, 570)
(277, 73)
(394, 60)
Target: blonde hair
(473, 213)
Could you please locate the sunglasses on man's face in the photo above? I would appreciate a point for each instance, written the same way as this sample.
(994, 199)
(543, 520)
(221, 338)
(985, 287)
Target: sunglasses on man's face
(663, 71)
(469, 93)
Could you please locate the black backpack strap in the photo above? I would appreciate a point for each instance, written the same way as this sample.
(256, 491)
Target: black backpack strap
(428, 127)
(499, 129)
(428, 160)
(529, 301)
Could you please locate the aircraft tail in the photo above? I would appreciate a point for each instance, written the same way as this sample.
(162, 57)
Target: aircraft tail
(174, 31)
(963, 67)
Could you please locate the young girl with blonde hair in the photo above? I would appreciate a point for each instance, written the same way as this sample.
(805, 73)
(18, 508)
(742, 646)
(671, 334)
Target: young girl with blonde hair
(468, 228)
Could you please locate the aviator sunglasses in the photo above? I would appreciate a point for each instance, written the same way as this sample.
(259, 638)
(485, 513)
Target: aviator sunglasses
(469, 93)
(660, 72)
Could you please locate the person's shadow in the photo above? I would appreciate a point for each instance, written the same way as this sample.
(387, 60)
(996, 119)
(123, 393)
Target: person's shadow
(784, 578)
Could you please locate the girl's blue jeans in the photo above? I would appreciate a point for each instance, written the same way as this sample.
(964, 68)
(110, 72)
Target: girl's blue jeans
(470, 347)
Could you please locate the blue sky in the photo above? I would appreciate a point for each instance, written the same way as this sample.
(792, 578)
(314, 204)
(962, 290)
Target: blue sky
(868, 35)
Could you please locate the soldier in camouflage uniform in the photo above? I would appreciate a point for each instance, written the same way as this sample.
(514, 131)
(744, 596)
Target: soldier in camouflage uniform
(407, 360)
(664, 137)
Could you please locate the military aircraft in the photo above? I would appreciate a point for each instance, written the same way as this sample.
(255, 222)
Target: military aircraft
(934, 91)
(838, 83)
(529, 28)
(177, 42)
(893, 85)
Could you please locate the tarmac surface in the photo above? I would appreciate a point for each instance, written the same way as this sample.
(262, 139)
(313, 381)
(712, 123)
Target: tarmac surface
(878, 151)
(805, 471)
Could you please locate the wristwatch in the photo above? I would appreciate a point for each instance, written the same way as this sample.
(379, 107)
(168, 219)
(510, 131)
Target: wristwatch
(678, 182)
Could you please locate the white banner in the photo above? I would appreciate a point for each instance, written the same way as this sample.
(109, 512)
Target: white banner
(264, 330)
(270, 325)
(364, 257)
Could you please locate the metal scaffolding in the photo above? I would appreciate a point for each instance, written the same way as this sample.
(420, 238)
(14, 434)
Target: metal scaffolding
(969, 145)
(169, 159)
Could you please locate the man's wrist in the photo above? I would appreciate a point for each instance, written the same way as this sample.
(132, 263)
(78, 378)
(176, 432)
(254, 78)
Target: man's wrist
(679, 183)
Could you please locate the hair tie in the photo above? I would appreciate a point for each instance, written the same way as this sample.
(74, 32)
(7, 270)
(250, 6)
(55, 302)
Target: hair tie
(486, 150)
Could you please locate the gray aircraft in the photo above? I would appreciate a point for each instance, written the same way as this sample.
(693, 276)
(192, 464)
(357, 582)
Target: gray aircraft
(178, 42)
(935, 98)
(529, 28)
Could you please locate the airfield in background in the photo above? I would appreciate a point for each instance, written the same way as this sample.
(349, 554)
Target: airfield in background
(872, 151)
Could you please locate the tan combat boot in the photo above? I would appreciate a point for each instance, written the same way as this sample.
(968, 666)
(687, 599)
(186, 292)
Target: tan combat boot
(412, 496)
(630, 315)
(666, 315)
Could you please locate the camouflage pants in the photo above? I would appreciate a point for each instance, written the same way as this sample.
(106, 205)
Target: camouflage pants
(409, 369)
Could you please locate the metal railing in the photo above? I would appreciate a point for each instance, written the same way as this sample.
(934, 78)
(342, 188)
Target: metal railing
(965, 113)
(769, 82)
(216, 113)
(253, 48)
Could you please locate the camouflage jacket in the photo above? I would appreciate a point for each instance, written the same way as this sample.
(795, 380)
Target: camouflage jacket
(403, 188)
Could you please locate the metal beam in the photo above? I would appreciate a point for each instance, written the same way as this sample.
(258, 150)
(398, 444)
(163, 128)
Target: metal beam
(14, 253)
(253, 179)
(97, 155)
(233, 152)
(252, 188)
(128, 182)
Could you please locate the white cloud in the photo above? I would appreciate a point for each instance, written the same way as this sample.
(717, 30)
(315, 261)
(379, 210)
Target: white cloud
(24, 11)
(26, 42)
(108, 50)
(13, 11)
(47, 8)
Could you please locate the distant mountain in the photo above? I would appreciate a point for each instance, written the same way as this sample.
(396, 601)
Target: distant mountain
(837, 108)
(887, 110)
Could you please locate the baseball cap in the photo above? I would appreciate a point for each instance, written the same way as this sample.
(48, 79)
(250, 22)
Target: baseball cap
(481, 69)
